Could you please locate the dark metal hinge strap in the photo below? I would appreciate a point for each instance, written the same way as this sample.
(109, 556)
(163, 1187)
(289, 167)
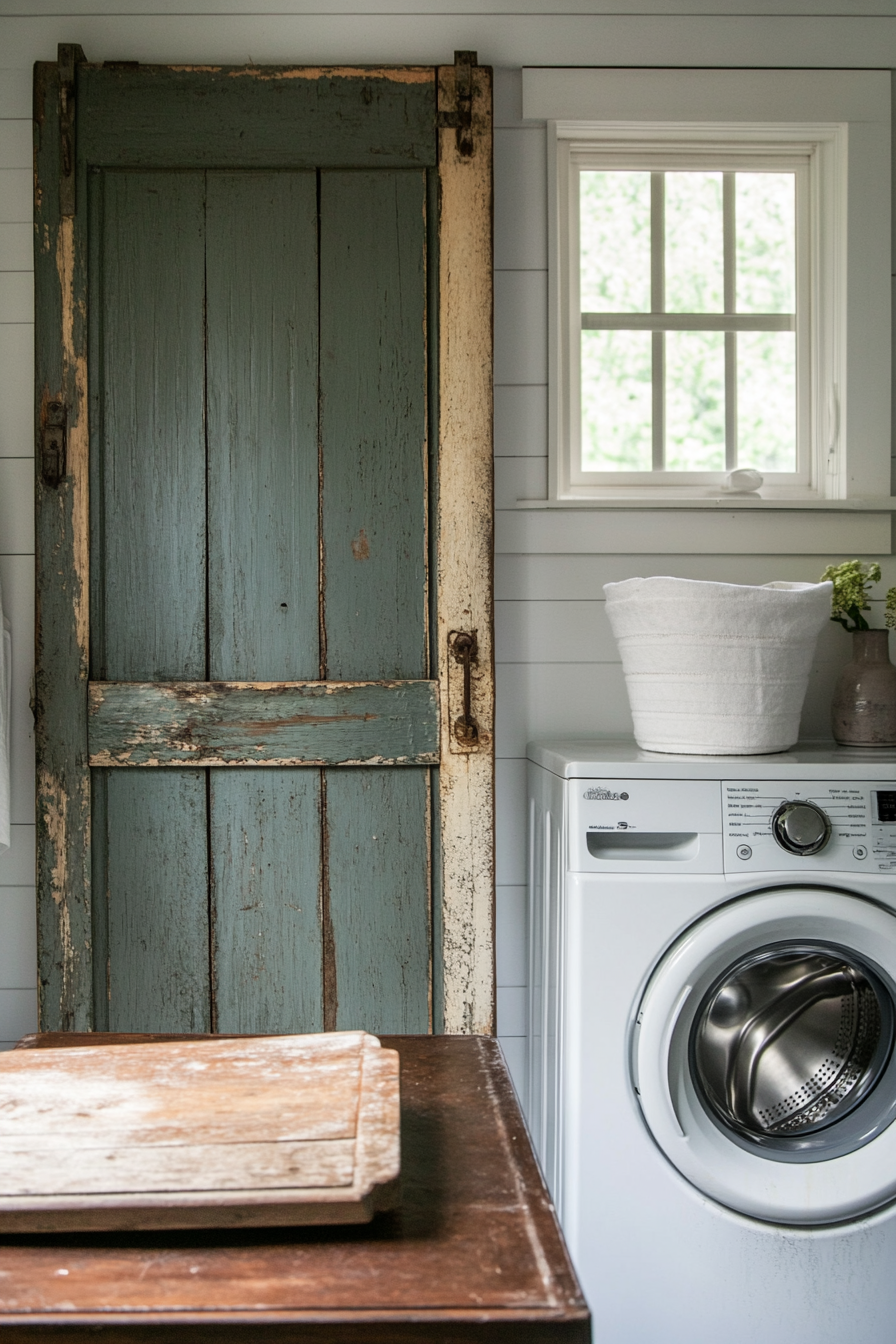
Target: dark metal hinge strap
(461, 118)
(69, 56)
(52, 444)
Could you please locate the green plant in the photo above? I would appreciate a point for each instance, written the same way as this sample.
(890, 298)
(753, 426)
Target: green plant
(852, 582)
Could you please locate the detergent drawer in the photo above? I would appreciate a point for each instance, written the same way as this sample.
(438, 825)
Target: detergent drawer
(641, 825)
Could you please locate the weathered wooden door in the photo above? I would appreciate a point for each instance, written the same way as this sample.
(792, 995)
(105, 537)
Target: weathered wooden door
(264, 507)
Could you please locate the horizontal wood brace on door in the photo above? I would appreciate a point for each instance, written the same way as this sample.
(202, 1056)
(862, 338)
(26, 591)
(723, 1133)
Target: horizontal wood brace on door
(148, 116)
(238, 723)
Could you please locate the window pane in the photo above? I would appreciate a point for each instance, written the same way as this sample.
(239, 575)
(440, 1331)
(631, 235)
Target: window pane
(694, 243)
(766, 400)
(614, 221)
(765, 230)
(695, 401)
(617, 398)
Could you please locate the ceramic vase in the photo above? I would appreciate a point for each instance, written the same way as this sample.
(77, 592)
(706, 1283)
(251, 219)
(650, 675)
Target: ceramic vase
(863, 713)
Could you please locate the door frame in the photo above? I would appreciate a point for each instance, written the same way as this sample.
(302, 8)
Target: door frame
(461, 550)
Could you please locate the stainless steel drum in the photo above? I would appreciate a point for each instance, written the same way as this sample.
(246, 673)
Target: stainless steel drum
(790, 1040)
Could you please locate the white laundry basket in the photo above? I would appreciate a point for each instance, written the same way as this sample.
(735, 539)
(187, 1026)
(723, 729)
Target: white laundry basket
(716, 669)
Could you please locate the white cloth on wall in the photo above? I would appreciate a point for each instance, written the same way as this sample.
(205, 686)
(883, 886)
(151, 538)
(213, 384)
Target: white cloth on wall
(5, 714)
(716, 668)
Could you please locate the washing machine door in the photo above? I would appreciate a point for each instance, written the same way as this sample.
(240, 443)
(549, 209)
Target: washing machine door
(763, 1056)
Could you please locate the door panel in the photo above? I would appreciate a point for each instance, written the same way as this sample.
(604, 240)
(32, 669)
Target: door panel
(265, 844)
(262, 308)
(373, 424)
(377, 879)
(148, 618)
(156, 911)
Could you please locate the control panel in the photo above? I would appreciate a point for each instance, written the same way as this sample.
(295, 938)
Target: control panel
(808, 826)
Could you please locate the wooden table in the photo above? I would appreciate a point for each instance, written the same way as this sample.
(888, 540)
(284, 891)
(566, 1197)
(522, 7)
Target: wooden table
(473, 1252)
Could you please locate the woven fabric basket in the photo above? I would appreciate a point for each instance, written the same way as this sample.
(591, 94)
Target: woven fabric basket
(716, 669)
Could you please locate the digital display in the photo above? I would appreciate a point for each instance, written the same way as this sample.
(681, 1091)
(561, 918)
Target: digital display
(886, 805)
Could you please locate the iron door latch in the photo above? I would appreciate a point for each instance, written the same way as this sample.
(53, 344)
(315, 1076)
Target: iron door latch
(464, 649)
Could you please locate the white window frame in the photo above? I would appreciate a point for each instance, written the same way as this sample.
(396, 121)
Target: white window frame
(839, 121)
(657, 151)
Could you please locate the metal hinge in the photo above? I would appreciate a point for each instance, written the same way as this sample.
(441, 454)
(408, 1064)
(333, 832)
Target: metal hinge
(69, 56)
(52, 444)
(461, 118)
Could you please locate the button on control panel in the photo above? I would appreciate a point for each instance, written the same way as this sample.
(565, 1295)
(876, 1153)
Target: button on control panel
(808, 826)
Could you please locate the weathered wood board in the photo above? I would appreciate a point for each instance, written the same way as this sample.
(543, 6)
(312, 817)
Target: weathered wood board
(262, 306)
(148, 609)
(263, 311)
(154, 869)
(265, 828)
(473, 1253)
(205, 723)
(373, 424)
(221, 116)
(256, 1131)
(465, 521)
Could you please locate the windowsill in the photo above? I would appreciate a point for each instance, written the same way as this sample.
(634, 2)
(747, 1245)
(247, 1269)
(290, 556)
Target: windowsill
(704, 524)
(876, 504)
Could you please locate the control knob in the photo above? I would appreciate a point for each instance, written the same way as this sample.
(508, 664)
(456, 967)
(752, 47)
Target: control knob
(801, 828)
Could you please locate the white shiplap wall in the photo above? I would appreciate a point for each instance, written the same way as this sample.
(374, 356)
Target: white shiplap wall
(18, 944)
(558, 672)
(558, 667)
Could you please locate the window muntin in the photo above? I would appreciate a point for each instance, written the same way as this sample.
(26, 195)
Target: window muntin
(696, 361)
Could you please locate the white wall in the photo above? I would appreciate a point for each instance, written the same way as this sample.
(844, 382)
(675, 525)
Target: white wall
(558, 670)
(18, 943)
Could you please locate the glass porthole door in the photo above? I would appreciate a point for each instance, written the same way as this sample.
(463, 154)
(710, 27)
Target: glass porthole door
(764, 1043)
(788, 1043)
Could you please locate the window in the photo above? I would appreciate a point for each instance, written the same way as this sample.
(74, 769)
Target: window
(691, 301)
(719, 281)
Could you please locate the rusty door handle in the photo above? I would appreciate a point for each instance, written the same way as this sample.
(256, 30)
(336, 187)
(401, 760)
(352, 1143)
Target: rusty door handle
(464, 649)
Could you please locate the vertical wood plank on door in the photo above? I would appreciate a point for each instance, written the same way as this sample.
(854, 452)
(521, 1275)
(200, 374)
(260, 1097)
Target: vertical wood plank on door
(465, 547)
(61, 632)
(373, 423)
(265, 844)
(262, 426)
(373, 491)
(378, 875)
(262, 318)
(157, 875)
(148, 613)
(100, 895)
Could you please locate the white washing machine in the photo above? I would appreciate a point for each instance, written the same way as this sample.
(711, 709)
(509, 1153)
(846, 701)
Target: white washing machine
(712, 1016)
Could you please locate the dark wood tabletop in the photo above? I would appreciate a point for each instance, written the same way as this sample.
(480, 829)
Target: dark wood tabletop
(473, 1253)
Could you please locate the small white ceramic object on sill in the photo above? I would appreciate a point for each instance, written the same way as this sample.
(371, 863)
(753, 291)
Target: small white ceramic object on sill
(744, 481)
(716, 669)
